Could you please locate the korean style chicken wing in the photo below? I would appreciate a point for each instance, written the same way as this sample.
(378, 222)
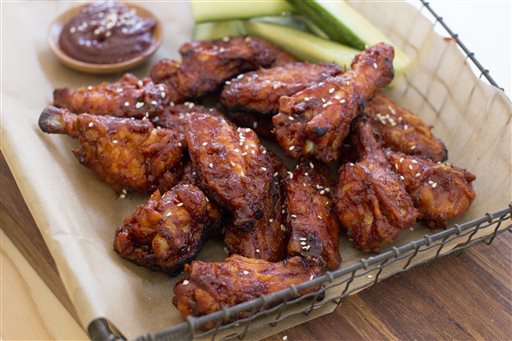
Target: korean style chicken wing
(403, 131)
(316, 120)
(168, 231)
(128, 97)
(371, 201)
(127, 154)
(313, 224)
(439, 191)
(209, 287)
(206, 65)
(233, 168)
(259, 91)
(268, 238)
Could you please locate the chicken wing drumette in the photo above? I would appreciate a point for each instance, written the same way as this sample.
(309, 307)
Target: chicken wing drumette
(206, 65)
(316, 120)
(439, 191)
(312, 221)
(209, 287)
(268, 238)
(128, 97)
(127, 154)
(403, 131)
(371, 201)
(169, 230)
(233, 168)
(259, 91)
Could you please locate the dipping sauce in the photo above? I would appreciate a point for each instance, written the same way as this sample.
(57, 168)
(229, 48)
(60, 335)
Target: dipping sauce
(107, 33)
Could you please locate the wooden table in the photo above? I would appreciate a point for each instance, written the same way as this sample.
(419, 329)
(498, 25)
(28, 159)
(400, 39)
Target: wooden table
(458, 297)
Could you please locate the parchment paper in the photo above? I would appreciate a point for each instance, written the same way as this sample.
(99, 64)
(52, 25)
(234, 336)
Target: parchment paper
(77, 214)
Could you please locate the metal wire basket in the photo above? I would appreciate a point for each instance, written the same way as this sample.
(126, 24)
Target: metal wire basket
(333, 286)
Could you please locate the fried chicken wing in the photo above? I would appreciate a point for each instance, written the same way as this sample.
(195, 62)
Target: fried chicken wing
(126, 154)
(209, 287)
(316, 120)
(313, 224)
(439, 191)
(259, 91)
(206, 65)
(268, 238)
(128, 97)
(371, 201)
(403, 131)
(167, 231)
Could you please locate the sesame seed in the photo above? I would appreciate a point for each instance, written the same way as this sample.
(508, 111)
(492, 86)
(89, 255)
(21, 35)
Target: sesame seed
(226, 250)
(227, 82)
(285, 337)
(406, 127)
(162, 94)
(257, 250)
(139, 105)
(311, 165)
(290, 174)
(414, 161)
(401, 160)
(114, 141)
(185, 282)
(155, 103)
(342, 101)
(351, 164)
(319, 217)
(283, 211)
(122, 196)
(263, 169)
(370, 276)
(126, 104)
(179, 204)
(411, 228)
(303, 243)
(307, 247)
(374, 65)
(89, 87)
(331, 90)
(283, 228)
(240, 76)
(72, 30)
(90, 125)
(290, 118)
(270, 220)
(244, 153)
(410, 167)
(323, 100)
(245, 272)
(140, 84)
(326, 104)
(402, 177)
(306, 99)
(417, 175)
(232, 163)
(327, 189)
(413, 147)
(237, 150)
(434, 185)
(293, 216)
(302, 238)
(210, 165)
(255, 125)
(292, 148)
(322, 192)
(226, 39)
(222, 49)
(168, 214)
(204, 144)
(311, 277)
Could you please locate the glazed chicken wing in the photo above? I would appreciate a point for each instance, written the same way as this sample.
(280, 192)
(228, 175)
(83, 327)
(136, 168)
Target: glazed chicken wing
(261, 124)
(314, 228)
(259, 91)
(128, 97)
(403, 131)
(174, 116)
(127, 154)
(168, 231)
(439, 191)
(206, 65)
(316, 120)
(371, 201)
(209, 287)
(268, 238)
(233, 168)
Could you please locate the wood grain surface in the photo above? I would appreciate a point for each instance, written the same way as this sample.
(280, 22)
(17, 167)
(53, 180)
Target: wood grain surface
(460, 297)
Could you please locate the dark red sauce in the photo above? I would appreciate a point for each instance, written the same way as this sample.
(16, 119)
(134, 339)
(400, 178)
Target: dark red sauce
(106, 33)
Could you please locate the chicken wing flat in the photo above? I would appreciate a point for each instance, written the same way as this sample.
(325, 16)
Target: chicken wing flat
(439, 191)
(268, 238)
(233, 168)
(316, 120)
(128, 97)
(169, 230)
(127, 154)
(259, 91)
(371, 201)
(209, 287)
(313, 224)
(403, 131)
(206, 65)
(261, 124)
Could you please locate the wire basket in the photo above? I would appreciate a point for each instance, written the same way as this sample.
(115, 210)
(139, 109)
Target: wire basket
(333, 286)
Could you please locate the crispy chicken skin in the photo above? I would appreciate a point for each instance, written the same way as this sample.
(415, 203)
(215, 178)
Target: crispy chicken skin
(167, 231)
(403, 131)
(127, 154)
(233, 168)
(439, 191)
(206, 65)
(312, 221)
(268, 238)
(316, 120)
(128, 97)
(261, 124)
(209, 287)
(371, 201)
(259, 91)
